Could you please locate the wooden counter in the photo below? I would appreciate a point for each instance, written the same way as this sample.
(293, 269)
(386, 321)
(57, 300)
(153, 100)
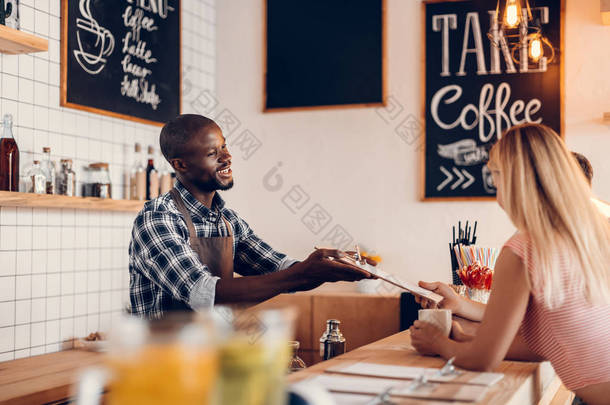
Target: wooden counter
(523, 383)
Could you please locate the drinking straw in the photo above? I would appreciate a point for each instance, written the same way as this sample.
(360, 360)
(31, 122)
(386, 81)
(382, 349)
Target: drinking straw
(474, 233)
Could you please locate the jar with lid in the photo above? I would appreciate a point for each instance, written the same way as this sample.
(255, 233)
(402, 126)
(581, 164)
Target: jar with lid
(98, 184)
(66, 180)
(36, 179)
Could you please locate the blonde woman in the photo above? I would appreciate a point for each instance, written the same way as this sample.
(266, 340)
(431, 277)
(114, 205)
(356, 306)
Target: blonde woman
(552, 278)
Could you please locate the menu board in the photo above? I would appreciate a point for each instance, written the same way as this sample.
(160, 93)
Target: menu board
(475, 90)
(122, 58)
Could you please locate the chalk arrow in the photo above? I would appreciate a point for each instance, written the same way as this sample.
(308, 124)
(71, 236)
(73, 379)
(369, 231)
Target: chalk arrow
(446, 181)
(469, 177)
(459, 180)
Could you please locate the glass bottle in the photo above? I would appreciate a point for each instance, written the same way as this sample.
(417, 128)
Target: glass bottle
(332, 342)
(66, 180)
(9, 157)
(296, 363)
(99, 184)
(166, 182)
(152, 176)
(36, 178)
(49, 169)
(137, 178)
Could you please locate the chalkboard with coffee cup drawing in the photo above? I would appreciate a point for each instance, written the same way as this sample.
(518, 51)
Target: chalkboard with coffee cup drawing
(122, 58)
(474, 90)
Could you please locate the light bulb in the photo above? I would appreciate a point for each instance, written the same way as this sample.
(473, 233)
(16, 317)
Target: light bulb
(536, 50)
(512, 13)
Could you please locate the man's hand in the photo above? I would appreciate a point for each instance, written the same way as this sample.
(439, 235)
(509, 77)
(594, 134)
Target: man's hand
(451, 299)
(323, 265)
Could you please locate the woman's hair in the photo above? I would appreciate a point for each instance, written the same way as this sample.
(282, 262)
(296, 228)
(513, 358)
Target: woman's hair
(547, 197)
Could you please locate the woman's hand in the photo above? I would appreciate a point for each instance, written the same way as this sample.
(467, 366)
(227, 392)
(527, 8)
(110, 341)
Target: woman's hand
(427, 338)
(451, 299)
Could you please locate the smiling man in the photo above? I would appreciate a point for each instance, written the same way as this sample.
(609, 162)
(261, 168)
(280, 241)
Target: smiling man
(186, 244)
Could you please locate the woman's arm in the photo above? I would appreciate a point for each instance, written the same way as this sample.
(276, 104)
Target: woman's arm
(503, 315)
(459, 306)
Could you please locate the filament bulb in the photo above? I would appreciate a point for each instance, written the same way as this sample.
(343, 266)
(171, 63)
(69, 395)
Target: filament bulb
(536, 50)
(512, 13)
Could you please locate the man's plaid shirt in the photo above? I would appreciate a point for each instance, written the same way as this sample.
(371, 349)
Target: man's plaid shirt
(162, 264)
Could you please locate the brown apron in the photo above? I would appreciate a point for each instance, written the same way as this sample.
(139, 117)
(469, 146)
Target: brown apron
(215, 252)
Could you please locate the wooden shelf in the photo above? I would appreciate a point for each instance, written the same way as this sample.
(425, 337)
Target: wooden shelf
(9, 199)
(13, 42)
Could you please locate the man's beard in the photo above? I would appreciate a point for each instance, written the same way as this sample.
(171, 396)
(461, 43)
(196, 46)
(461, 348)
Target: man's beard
(214, 185)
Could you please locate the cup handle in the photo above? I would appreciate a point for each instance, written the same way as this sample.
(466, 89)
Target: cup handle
(90, 386)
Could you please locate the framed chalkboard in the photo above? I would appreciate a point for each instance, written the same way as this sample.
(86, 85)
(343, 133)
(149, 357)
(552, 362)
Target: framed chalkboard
(122, 58)
(322, 53)
(474, 91)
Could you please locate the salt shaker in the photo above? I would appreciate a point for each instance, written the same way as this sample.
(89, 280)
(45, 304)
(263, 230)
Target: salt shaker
(332, 342)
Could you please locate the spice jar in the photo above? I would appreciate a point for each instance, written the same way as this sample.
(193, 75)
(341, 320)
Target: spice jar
(98, 184)
(36, 179)
(66, 180)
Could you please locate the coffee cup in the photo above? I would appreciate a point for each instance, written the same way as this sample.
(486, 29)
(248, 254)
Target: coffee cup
(441, 318)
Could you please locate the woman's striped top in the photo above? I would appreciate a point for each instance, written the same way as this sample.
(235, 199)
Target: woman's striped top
(574, 337)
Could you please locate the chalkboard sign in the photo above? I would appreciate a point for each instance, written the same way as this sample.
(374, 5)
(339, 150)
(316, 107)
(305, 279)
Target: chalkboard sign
(474, 92)
(122, 58)
(323, 53)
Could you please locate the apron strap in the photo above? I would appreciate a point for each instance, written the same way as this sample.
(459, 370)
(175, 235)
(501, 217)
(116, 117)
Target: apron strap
(187, 216)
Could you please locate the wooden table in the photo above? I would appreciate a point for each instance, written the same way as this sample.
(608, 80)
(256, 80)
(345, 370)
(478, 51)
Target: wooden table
(523, 383)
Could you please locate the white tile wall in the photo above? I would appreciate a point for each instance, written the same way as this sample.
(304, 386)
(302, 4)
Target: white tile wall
(53, 284)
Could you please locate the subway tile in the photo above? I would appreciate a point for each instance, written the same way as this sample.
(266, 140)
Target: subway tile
(54, 51)
(10, 87)
(54, 7)
(7, 339)
(67, 283)
(39, 285)
(93, 281)
(54, 217)
(53, 237)
(7, 288)
(41, 74)
(53, 285)
(7, 313)
(53, 261)
(52, 332)
(80, 304)
(23, 312)
(67, 237)
(8, 216)
(67, 217)
(53, 308)
(80, 326)
(52, 348)
(24, 262)
(80, 282)
(93, 260)
(67, 306)
(22, 337)
(39, 237)
(39, 216)
(26, 90)
(93, 303)
(37, 351)
(26, 66)
(7, 356)
(21, 354)
(26, 15)
(39, 261)
(10, 64)
(66, 329)
(24, 216)
(37, 334)
(67, 260)
(80, 259)
(41, 139)
(12, 107)
(8, 237)
(54, 117)
(93, 237)
(105, 322)
(54, 31)
(24, 287)
(41, 95)
(24, 237)
(105, 280)
(117, 301)
(39, 309)
(8, 260)
(41, 23)
(54, 74)
(41, 118)
(26, 115)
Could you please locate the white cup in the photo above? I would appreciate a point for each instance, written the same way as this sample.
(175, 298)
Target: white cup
(441, 318)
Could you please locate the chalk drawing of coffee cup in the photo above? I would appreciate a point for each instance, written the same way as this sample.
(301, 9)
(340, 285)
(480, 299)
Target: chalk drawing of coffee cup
(95, 43)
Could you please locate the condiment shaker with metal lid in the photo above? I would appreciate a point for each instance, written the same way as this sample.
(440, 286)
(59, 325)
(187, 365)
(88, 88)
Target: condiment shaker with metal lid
(332, 342)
